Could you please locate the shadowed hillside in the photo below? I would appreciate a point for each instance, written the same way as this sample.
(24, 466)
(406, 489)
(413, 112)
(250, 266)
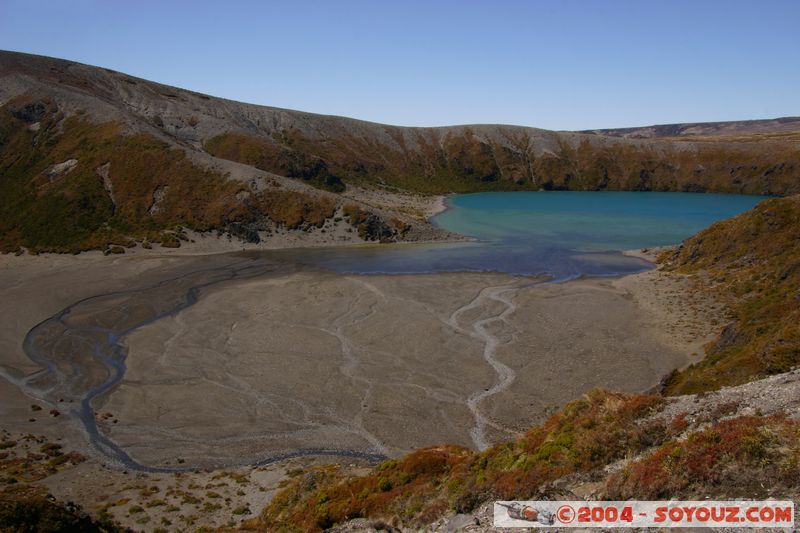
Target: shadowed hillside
(116, 159)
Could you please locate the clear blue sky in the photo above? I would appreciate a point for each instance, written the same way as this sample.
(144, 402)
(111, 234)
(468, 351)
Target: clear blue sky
(558, 64)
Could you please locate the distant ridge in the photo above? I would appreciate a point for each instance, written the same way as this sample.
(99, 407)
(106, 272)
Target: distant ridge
(734, 127)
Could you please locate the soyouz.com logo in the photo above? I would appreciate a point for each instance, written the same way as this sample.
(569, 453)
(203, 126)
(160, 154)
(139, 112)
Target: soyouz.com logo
(738, 513)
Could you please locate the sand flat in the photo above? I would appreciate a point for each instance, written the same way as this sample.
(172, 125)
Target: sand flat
(302, 359)
(297, 358)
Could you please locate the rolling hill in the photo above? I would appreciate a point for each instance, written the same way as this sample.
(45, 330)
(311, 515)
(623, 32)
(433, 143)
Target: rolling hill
(91, 158)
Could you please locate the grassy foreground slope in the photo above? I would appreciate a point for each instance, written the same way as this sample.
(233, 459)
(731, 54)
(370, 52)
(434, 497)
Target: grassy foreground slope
(754, 261)
(423, 485)
(659, 457)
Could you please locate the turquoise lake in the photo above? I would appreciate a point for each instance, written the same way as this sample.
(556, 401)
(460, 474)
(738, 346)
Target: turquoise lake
(562, 234)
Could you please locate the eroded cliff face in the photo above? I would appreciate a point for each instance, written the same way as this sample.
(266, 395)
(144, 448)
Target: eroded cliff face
(484, 158)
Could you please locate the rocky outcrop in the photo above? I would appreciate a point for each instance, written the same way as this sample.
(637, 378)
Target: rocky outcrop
(54, 172)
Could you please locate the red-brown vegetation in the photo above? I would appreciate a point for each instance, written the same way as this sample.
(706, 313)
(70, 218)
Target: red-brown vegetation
(730, 459)
(753, 260)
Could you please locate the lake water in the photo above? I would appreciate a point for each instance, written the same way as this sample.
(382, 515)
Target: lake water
(562, 234)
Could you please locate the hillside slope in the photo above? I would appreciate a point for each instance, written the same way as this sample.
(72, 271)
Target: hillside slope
(81, 169)
(754, 261)
(74, 137)
(606, 446)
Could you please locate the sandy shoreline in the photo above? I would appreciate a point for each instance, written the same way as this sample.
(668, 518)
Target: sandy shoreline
(309, 358)
(439, 206)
